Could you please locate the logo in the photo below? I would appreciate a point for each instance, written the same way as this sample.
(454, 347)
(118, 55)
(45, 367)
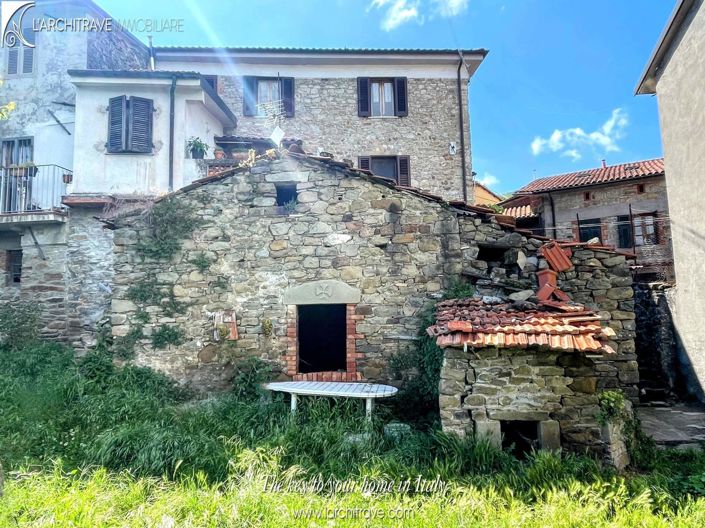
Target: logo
(12, 13)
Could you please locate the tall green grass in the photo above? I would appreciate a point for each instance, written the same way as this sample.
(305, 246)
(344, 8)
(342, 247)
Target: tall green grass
(156, 451)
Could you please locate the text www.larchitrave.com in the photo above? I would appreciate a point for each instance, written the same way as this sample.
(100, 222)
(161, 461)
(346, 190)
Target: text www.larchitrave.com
(354, 513)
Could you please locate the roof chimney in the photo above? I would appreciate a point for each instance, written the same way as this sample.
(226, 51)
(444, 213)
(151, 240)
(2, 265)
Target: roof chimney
(604, 164)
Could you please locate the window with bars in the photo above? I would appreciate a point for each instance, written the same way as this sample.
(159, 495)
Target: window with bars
(590, 228)
(624, 231)
(16, 151)
(130, 125)
(645, 230)
(14, 267)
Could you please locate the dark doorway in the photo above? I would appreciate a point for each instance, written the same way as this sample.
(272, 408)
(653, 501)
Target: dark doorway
(520, 437)
(321, 338)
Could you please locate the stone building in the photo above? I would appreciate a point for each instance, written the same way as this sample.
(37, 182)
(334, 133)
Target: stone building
(530, 373)
(36, 154)
(400, 113)
(622, 205)
(332, 287)
(674, 74)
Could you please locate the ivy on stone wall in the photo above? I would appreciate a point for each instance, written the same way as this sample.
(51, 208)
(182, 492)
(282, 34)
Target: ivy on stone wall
(170, 222)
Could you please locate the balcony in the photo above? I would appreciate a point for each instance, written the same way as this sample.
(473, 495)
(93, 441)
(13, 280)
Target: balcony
(31, 194)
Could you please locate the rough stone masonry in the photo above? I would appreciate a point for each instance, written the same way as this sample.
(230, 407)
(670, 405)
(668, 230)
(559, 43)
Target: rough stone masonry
(397, 250)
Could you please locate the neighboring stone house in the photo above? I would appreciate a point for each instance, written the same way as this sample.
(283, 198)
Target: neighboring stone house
(36, 153)
(400, 113)
(674, 73)
(333, 287)
(622, 205)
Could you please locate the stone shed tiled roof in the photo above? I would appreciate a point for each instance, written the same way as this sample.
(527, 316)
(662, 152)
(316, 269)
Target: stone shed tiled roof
(481, 322)
(600, 175)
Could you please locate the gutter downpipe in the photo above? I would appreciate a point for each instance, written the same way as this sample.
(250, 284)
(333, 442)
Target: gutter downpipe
(172, 92)
(461, 125)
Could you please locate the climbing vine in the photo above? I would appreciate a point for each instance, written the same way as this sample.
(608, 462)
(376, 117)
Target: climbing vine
(170, 222)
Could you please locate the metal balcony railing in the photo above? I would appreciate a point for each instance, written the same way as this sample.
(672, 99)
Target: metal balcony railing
(33, 188)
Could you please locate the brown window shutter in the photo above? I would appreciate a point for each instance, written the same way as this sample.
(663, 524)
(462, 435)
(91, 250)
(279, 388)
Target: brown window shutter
(140, 128)
(249, 95)
(363, 96)
(401, 101)
(364, 162)
(403, 171)
(287, 88)
(117, 124)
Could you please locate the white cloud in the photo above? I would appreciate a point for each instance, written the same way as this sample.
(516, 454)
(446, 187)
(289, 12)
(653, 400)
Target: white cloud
(570, 141)
(573, 154)
(488, 180)
(450, 8)
(398, 12)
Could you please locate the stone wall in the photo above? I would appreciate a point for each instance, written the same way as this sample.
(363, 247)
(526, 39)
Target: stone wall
(326, 117)
(90, 274)
(482, 388)
(116, 50)
(396, 249)
(607, 202)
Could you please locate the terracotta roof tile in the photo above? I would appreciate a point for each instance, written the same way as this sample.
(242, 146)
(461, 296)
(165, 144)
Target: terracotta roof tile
(520, 211)
(491, 322)
(613, 173)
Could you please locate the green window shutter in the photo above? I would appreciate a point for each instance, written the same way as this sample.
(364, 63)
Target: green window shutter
(117, 124)
(140, 129)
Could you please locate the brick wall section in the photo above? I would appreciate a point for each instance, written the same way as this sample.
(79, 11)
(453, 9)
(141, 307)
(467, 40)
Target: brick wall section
(326, 117)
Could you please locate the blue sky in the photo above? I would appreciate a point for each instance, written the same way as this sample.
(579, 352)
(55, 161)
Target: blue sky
(555, 94)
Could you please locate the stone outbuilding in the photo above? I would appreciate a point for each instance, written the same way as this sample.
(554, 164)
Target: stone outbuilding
(526, 374)
(323, 271)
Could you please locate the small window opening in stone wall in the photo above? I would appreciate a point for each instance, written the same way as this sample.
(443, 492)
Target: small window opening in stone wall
(322, 337)
(641, 188)
(492, 254)
(520, 437)
(286, 194)
(14, 267)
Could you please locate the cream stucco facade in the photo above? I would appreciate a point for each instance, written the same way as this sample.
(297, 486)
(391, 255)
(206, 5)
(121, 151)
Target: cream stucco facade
(676, 74)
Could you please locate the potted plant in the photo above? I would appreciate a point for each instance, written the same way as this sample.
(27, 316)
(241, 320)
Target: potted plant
(67, 177)
(219, 153)
(197, 147)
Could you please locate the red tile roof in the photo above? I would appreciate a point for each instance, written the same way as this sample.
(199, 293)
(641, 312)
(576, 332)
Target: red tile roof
(600, 175)
(480, 322)
(520, 211)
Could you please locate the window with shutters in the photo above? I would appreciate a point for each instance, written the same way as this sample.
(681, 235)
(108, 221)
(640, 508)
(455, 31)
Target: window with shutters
(262, 95)
(382, 97)
(20, 59)
(130, 122)
(393, 167)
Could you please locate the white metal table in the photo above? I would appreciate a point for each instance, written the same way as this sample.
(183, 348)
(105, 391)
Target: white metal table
(368, 391)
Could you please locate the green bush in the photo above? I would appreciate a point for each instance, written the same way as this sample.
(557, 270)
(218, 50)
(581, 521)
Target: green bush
(167, 335)
(19, 324)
